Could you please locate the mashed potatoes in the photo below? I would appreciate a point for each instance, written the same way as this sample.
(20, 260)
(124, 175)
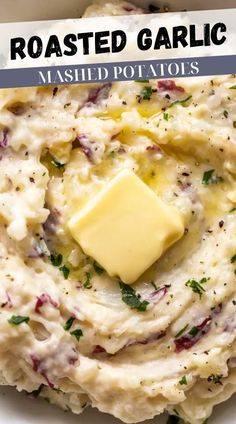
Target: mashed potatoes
(68, 331)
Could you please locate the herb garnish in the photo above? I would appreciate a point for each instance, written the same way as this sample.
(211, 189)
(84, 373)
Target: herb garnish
(173, 419)
(216, 379)
(87, 284)
(233, 87)
(166, 116)
(56, 259)
(226, 114)
(132, 299)
(145, 94)
(233, 259)
(77, 333)
(98, 269)
(69, 323)
(182, 331)
(196, 286)
(194, 331)
(65, 271)
(210, 177)
(183, 380)
(57, 164)
(180, 102)
(142, 81)
(18, 319)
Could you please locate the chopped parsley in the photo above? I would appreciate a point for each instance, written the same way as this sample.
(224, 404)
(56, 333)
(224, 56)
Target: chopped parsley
(18, 319)
(196, 286)
(145, 94)
(232, 210)
(87, 284)
(233, 259)
(98, 269)
(65, 271)
(210, 177)
(166, 116)
(142, 81)
(183, 380)
(180, 102)
(69, 323)
(226, 114)
(194, 331)
(57, 164)
(182, 331)
(233, 87)
(56, 259)
(216, 379)
(77, 333)
(132, 299)
(205, 421)
(173, 419)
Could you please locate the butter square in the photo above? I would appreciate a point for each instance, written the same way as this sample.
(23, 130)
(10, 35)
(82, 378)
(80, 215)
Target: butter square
(126, 227)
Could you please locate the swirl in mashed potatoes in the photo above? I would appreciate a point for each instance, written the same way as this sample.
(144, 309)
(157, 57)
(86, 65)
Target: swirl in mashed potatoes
(69, 331)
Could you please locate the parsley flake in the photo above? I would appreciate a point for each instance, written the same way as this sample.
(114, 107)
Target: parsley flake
(210, 177)
(18, 319)
(180, 102)
(87, 284)
(233, 259)
(69, 323)
(182, 331)
(183, 380)
(132, 299)
(56, 259)
(65, 271)
(142, 81)
(194, 331)
(196, 286)
(216, 379)
(98, 269)
(166, 116)
(145, 94)
(77, 333)
(233, 87)
(226, 114)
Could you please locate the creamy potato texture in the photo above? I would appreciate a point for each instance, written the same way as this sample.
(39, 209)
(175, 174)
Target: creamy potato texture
(68, 331)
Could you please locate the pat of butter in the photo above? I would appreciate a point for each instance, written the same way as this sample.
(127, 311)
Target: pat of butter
(126, 227)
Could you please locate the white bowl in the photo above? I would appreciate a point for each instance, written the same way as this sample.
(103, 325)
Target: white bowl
(17, 408)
